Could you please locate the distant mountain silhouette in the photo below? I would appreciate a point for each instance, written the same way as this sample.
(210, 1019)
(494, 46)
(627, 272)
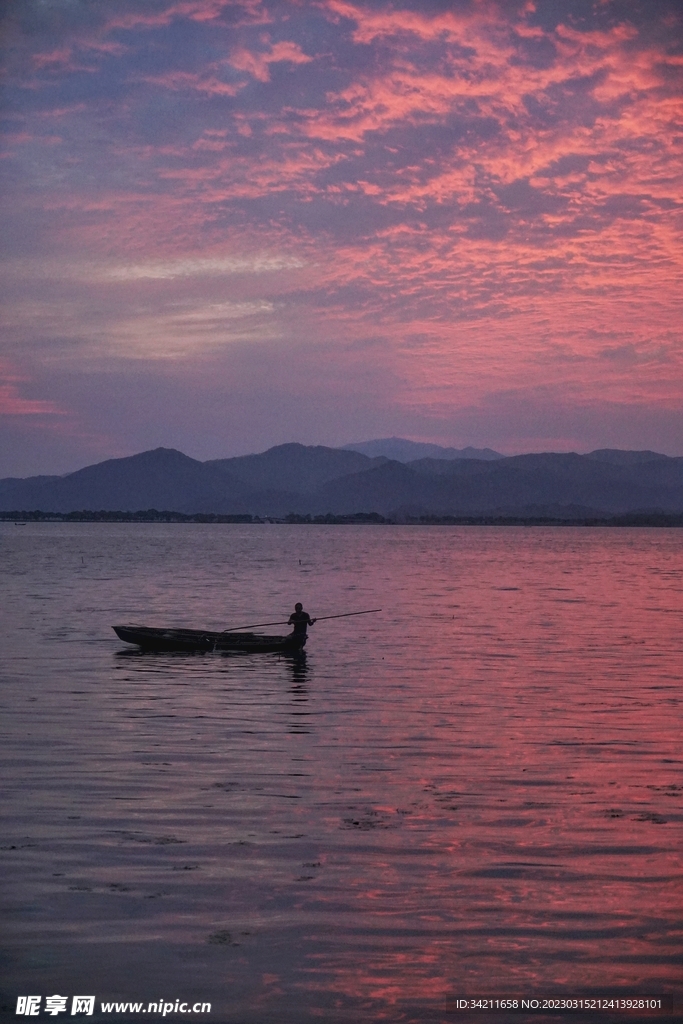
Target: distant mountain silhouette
(275, 482)
(520, 485)
(293, 467)
(163, 478)
(624, 458)
(402, 450)
(294, 478)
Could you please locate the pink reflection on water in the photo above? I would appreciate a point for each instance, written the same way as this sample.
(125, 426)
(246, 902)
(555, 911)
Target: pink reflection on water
(531, 748)
(477, 793)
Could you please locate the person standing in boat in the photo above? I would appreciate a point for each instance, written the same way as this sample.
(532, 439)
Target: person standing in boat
(300, 621)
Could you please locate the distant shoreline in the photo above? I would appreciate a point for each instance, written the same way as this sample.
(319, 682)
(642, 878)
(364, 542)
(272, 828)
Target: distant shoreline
(643, 519)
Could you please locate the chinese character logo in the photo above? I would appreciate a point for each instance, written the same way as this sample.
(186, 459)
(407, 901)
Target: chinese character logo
(55, 1004)
(28, 1006)
(83, 1004)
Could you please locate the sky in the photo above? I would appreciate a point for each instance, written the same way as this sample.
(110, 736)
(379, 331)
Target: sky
(230, 224)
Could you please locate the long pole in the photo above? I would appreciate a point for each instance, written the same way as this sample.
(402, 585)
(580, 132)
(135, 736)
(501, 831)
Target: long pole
(285, 622)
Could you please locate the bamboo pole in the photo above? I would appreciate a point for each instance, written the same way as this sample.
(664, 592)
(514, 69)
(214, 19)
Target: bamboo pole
(285, 622)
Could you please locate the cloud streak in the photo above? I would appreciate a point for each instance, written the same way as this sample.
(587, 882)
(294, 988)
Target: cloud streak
(199, 267)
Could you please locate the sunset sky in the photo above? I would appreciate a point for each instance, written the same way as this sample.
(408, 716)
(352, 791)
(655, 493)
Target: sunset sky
(227, 224)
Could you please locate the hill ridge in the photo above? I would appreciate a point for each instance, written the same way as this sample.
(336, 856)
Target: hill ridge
(317, 480)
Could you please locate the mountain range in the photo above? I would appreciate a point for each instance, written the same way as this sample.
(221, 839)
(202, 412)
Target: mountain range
(402, 450)
(315, 480)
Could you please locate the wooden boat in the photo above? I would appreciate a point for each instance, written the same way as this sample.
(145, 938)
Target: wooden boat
(204, 640)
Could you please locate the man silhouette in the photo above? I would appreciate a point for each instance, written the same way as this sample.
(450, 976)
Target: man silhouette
(300, 621)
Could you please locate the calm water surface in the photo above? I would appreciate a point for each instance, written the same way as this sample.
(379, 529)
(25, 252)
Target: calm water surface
(477, 791)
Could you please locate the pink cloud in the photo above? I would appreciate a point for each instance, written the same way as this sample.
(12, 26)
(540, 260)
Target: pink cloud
(484, 218)
(203, 83)
(59, 61)
(195, 10)
(53, 57)
(257, 63)
(373, 23)
(13, 404)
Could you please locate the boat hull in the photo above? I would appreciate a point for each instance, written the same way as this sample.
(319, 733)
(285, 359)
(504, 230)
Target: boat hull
(206, 641)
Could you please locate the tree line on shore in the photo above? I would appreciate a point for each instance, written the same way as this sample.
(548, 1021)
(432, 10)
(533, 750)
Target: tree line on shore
(152, 515)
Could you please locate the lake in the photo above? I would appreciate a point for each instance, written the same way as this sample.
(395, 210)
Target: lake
(474, 793)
